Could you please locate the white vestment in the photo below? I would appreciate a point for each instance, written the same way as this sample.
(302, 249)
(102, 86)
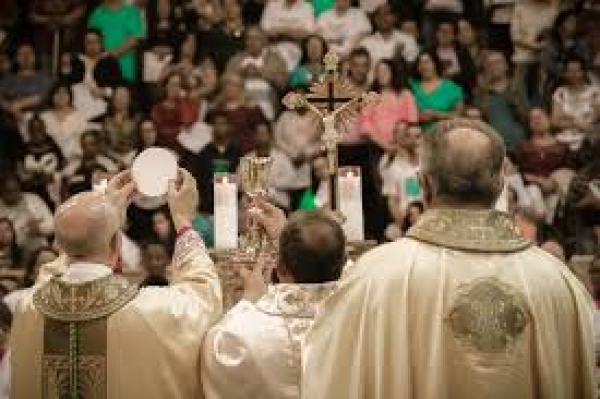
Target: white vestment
(254, 352)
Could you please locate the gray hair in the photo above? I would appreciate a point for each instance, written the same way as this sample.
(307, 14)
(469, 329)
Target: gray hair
(464, 169)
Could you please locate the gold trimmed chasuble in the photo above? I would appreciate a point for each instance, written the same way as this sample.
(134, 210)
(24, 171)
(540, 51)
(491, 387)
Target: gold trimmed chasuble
(462, 308)
(130, 343)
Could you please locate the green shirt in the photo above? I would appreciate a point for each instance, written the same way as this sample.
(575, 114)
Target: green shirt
(443, 98)
(320, 6)
(116, 27)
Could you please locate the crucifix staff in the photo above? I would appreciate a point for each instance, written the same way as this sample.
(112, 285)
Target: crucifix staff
(338, 95)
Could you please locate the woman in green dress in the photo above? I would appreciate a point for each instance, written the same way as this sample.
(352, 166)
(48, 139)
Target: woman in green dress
(437, 98)
(314, 48)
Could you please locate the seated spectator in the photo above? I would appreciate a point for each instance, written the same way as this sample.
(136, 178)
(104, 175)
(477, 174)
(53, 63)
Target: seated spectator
(120, 127)
(224, 40)
(147, 135)
(284, 179)
(582, 202)
(287, 23)
(63, 122)
(25, 88)
(101, 73)
(437, 97)
(155, 260)
(241, 111)
(544, 163)
(399, 171)
(573, 104)
(175, 112)
(11, 254)
(199, 70)
(311, 63)
(566, 42)
(79, 172)
(387, 41)
(497, 97)
(39, 258)
(397, 104)
(468, 37)
(456, 60)
(222, 155)
(122, 27)
(343, 27)
(263, 70)
(40, 166)
(29, 213)
(435, 12)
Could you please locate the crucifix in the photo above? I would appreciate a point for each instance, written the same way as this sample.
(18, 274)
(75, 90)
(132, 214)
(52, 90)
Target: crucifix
(336, 101)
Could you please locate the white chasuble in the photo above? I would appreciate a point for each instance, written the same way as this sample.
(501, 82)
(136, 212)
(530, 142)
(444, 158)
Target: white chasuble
(255, 350)
(463, 308)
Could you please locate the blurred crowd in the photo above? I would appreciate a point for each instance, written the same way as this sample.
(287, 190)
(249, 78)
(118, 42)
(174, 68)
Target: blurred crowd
(86, 85)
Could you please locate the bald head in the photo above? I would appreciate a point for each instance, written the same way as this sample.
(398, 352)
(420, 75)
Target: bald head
(463, 159)
(85, 226)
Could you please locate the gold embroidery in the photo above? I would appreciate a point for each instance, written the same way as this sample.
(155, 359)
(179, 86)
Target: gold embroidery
(92, 377)
(488, 315)
(470, 230)
(88, 301)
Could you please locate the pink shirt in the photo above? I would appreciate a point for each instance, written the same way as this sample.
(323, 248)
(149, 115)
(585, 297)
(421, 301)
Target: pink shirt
(378, 120)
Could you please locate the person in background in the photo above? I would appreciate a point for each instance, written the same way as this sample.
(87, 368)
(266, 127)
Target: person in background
(343, 27)
(175, 112)
(162, 19)
(530, 20)
(29, 213)
(413, 213)
(311, 64)
(566, 41)
(120, 125)
(399, 171)
(6, 320)
(498, 25)
(437, 98)
(573, 104)
(469, 38)
(52, 18)
(156, 257)
(146, 135)
(79, 172)
(63, 122)
(40, 166)
(157, 56)
(396, 105)
(263, 70)
(11, 254)
(545, 165)
(498, 98)
(224, 40)
(435, 12)
(241, 111)
(457, 62)
(25, 88)
(163, 229)
(39, 258)
(221, 155)
(387, 41)
(122, 28)
(287, 23)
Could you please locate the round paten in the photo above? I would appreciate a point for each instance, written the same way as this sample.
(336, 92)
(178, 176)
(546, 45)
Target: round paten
(152, 170)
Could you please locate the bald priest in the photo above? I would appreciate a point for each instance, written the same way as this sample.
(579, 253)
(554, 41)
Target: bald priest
(88, 333)
(462, 308)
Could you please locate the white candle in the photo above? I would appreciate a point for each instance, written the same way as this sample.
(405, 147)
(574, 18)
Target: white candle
(350, 202)
(226, 211)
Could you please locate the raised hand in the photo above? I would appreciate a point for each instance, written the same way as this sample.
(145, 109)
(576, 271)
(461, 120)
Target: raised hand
(183, 199)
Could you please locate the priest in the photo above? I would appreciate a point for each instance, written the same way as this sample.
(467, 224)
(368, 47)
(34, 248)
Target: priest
(88, 333)
(255, 350)
(463, 307)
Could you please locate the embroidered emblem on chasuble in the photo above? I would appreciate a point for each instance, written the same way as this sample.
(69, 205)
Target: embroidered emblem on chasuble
(75, 329)
(488, 315)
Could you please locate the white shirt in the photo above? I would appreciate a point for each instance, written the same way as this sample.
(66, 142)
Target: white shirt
(400, 179)
(67, 132)
(154, 66)
(380, 48)
(342, 30)
(31, 207)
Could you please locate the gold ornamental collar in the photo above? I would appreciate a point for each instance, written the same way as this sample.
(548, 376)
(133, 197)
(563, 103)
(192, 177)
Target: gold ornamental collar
(92, 300)
(469, 230)
(295, 300)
